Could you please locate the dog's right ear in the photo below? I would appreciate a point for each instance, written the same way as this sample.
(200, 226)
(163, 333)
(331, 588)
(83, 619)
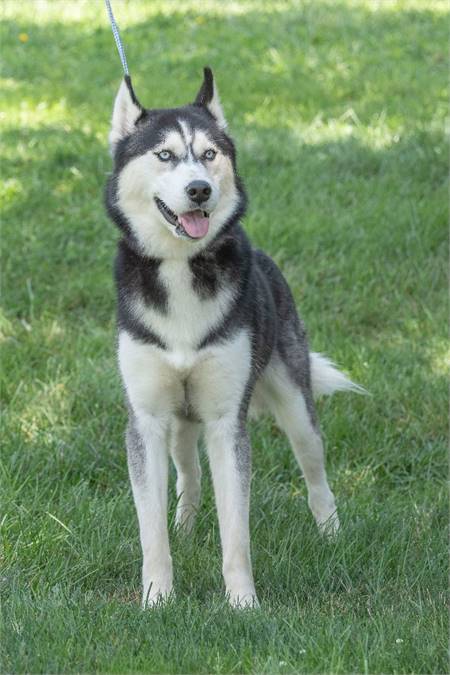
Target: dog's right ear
(126, 112)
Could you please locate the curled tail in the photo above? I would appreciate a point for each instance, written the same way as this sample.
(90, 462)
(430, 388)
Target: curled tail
(326, 378)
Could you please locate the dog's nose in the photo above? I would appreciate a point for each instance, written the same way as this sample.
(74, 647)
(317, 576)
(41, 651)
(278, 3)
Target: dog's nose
(199, 191)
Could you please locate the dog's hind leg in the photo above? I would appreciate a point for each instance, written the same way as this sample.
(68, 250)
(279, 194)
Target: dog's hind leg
(184, 451)
(293, 408)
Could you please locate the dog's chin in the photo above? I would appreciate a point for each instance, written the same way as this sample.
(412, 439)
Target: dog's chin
(190, 225)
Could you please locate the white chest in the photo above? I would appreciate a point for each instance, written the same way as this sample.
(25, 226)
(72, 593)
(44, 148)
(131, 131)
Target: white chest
(188, 319)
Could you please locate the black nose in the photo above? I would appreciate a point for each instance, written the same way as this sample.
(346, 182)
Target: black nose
(199, 191)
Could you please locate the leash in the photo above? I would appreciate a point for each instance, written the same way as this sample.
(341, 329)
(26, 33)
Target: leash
(115, 31)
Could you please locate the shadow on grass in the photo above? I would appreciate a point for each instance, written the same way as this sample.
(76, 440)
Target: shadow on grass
(308, 54)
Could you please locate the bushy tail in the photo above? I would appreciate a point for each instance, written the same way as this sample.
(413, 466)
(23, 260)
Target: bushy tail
(326, 378)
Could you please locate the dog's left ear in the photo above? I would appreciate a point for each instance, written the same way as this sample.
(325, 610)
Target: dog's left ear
(208, 97)
(126, 112)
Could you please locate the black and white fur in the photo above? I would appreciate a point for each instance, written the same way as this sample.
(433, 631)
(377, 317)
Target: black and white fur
(208, 330)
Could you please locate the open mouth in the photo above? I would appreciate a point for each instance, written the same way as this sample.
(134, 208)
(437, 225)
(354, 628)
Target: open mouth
(192, 224)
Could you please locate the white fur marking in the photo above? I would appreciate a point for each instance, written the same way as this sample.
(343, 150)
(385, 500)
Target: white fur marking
(215, 107)
(146, 176)
(189, 318)
(125, 114)
(187, 134)
(327, 379)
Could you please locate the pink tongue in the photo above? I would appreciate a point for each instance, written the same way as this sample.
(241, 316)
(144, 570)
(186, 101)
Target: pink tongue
(195, 223)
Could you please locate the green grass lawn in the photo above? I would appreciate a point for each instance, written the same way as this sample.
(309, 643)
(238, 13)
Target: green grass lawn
(337, 108)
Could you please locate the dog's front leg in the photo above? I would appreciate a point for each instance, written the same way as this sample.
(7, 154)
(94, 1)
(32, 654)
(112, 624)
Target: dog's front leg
(229, 456)
(147, 461)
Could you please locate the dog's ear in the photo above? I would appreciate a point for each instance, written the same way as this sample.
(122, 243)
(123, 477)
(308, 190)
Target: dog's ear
(208, 98)
(126, 112)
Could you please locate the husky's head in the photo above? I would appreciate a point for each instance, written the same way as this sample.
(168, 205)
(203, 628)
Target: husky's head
(174, 185)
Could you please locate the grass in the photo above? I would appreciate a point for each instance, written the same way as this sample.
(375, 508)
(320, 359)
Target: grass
(338, 111)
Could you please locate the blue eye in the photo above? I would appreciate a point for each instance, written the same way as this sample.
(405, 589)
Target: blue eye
(164, 155)
(209, 154)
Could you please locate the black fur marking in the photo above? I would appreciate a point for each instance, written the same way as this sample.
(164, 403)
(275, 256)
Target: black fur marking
(140, 277)
(206, 91)
(205, 280)
(127, 79)
(292, 341)
(214, 268)
(128, 322)
(253, 305)
(137, 277)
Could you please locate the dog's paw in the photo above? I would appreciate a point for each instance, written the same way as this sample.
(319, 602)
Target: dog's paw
(323, 507)
(329, 524)
(156, 592)
(185, 518)
(155, 599)
(244, 599)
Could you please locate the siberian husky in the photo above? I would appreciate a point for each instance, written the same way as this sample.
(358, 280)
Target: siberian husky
(208, 332)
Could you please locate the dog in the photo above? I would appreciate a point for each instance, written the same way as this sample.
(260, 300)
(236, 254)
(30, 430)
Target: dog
(208, 331)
